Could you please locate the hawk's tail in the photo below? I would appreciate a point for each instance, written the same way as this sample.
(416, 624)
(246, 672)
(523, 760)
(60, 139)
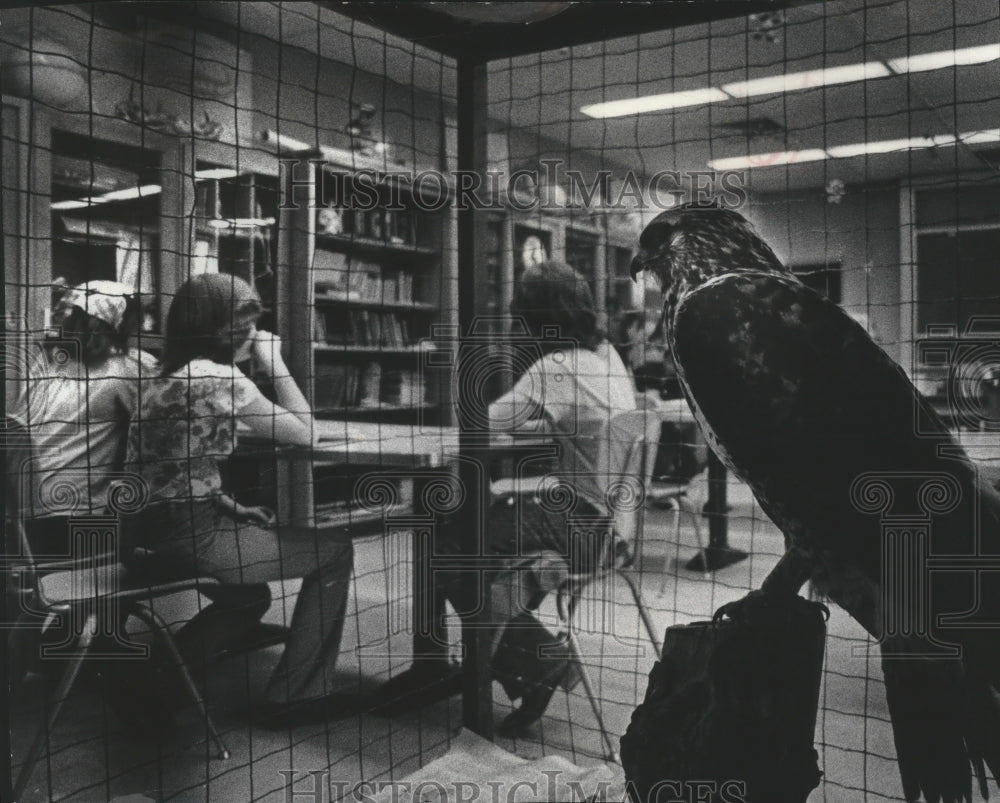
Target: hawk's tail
(946, 722)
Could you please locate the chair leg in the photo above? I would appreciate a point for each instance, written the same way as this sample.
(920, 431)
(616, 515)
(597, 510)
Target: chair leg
(62, 692)
(640, 604)
(612, 754)
(687, 507)
(677, 542)
(162, 631)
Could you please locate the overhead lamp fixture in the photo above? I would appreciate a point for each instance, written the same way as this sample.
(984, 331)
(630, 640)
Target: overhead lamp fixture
(240, 222)
(888, 146)
(768, 159)
(876, 147)
(808, 79)
(797, 81)
(131, 193)
(941, 59)
(127, 194)
(654, 103)
(83, 203)
(215, 174)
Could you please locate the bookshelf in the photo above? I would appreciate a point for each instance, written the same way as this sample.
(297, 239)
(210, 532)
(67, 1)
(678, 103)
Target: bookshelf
(234, 229)
(110, 198)
(367, 287)
(368, 261)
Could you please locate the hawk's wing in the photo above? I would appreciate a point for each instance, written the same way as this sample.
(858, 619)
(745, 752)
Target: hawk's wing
(803, 403)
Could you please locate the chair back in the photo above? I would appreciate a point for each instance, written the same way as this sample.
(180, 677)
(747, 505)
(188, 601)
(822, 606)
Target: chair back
(632, 438)
(19, 560)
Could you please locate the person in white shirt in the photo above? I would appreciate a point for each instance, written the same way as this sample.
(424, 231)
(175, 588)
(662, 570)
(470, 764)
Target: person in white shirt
(76, 405)
(575, 386)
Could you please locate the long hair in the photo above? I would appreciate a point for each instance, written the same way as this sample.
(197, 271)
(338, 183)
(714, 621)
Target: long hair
(554, 295)
(210, 317)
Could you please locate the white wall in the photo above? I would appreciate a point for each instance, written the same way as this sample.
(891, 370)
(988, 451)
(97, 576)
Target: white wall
(861, 233)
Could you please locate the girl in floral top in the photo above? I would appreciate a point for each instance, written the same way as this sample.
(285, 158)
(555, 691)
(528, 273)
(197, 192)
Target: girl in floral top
(186, 425)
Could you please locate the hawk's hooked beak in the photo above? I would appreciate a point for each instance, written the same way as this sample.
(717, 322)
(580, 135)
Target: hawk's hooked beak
(638, 263)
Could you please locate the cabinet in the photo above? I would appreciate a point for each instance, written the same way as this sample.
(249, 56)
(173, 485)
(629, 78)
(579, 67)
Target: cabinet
(98, 200)
(234, 226)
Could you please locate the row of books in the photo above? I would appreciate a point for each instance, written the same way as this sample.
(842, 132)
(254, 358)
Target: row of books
(362, 328)
(340, 385)
(398, 227)
(343, 277)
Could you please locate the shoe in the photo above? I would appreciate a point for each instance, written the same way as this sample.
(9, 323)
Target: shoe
(533, 705)
(290, 714)
(261, 635)
(423, 683)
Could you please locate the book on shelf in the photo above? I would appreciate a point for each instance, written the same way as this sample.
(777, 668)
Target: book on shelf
(331, 274)
(405, 388)
(390, 287)
(339, 385)
(319, 327)
(336, 384)
(371, 384)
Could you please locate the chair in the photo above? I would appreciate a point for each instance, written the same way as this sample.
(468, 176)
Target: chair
(97, 594)
(626, 445)
(678, 459)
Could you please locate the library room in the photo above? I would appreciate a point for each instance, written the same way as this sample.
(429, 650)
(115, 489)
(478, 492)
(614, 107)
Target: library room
(501, 401)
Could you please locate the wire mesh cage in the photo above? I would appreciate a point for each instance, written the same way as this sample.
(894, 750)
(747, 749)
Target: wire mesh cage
(377, 184)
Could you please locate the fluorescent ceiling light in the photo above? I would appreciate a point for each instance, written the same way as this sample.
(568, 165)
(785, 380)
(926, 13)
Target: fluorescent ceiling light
(980, 137)
(63, 205)
(990, 135)
(768, 159)
(809, 79)
(945, 58)
(653, 103)
(789, 82)
(285, 143)
(127, 194)
(240, 222)
(133, 192)
(886, 146)
(216, 173)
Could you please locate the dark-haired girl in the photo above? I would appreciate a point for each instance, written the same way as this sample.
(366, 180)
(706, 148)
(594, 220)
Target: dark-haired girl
(574, 386)
(185, 426)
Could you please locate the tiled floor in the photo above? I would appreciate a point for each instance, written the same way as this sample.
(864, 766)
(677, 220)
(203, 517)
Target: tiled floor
(92, 758)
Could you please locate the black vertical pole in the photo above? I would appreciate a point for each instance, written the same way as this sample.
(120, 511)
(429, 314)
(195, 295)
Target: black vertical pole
(477, 691)
(719, 554)
(6, 339)
(718, 522)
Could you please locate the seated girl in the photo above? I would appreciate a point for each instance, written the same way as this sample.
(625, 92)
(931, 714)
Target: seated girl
(185, 426)
(576, 385)
(77, 404)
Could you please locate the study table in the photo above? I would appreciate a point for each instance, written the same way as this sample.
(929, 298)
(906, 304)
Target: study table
(426, 456)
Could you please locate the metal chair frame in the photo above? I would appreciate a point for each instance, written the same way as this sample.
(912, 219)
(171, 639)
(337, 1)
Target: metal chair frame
(552, 572)
(93, 588)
